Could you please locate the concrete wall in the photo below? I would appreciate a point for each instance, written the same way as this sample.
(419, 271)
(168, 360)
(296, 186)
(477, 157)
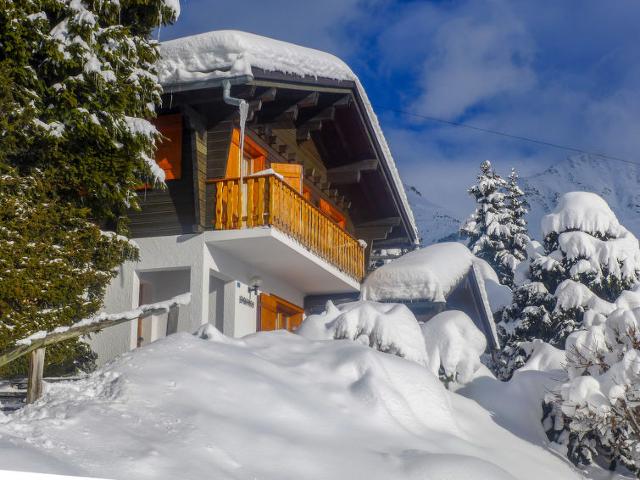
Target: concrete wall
(171, 265)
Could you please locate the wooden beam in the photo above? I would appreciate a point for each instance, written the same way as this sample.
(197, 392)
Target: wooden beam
(351, 173)
(373, 233)
(381, 222)
(309, 101)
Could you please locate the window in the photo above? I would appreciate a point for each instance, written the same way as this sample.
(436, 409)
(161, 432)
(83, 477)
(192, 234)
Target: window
(254, 157)
(169, 149)
(278, 314)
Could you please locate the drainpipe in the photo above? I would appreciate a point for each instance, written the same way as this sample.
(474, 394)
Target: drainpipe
(243, 107)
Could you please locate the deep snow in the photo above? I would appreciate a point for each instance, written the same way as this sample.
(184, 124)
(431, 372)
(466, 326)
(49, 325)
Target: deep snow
(273, 405)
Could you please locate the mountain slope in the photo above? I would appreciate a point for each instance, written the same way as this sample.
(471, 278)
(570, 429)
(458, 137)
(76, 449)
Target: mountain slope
(435, 222)
(616, 182)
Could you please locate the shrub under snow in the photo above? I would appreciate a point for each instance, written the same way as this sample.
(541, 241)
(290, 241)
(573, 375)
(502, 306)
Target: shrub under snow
(454, 346)
(387, 327)
(601, 402)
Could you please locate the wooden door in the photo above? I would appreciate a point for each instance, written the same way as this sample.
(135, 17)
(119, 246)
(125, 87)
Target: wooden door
(291, 172)
(278, 314)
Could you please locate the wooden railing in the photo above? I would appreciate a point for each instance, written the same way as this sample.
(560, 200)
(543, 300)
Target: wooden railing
(269, 201)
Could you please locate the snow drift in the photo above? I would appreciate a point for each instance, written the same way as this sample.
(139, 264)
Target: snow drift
(271, 406)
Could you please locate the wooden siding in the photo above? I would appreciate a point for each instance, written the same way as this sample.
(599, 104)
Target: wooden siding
(218, 142)
(168, 211)
(199, 154)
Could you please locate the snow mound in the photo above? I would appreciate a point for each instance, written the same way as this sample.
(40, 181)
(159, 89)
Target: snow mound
(454, 344)
(386, 327)
(582, 211)
(542, 357)
(273, 406)
(429, 273)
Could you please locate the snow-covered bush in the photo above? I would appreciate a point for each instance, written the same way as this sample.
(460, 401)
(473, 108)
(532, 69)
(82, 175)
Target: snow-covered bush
(387, 327)
(587, 260)
(597, 412)
(454, 346)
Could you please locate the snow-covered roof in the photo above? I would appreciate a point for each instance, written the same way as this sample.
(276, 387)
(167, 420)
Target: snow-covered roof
(229, 53)
(429, 273)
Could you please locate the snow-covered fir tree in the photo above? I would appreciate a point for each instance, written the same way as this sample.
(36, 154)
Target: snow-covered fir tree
(77, 91)
(518, 235)
(487, 228)
(83, 73)
(588, 258)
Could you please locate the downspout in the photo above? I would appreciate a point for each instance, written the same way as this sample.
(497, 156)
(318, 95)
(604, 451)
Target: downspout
(243, 107)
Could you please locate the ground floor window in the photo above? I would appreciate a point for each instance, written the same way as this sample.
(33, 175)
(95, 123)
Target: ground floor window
(278, 314)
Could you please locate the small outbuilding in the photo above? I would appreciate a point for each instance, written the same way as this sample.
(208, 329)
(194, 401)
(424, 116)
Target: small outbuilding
(443, 276)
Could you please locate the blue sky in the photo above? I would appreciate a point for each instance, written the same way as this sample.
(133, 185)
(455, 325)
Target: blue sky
(566, 71)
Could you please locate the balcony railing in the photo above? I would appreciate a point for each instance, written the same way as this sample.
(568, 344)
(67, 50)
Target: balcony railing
(269, 201)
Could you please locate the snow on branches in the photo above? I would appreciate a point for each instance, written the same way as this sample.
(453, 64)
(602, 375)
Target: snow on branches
(597, 413)
(497, 230)
(76, 72)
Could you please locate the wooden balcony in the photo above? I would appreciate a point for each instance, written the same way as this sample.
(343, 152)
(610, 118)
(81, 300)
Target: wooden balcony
(269, 201)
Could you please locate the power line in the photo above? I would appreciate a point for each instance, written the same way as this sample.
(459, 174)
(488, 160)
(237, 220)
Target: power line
(509, 135)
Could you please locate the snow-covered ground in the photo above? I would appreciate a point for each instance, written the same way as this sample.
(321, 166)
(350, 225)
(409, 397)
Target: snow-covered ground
(274, 405)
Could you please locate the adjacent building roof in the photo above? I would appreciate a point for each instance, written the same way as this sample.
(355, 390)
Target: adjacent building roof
(207, 58)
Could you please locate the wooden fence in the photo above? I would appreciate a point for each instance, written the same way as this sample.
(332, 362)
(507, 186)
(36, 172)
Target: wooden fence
(268, 200)
(36, 344)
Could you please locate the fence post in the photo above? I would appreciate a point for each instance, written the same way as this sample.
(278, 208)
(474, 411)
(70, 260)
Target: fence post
(36, 369)
(172, 320)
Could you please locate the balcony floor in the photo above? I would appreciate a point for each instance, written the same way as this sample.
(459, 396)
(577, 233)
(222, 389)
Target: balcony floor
(275, 253)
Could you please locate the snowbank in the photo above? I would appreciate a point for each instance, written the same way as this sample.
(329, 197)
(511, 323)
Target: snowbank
(454, 344)
(230, 53)
(429, 273)
(387, 327)
(271, 406)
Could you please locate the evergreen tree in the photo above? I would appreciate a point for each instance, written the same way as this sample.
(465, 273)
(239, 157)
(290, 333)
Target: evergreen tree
(83, 73)
(54, 268)
(518, 236)
(587, 260)
(77, 91)
(487, 228)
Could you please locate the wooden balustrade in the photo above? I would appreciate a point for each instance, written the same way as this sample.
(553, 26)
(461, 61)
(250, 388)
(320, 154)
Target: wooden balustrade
(269, 201)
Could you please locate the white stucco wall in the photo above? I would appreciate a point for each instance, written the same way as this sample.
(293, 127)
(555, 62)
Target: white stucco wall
(216, 278)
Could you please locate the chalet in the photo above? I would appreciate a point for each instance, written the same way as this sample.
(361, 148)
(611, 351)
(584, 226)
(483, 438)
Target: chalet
(279, 183)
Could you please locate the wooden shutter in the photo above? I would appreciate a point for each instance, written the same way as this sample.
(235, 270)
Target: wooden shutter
(291, 172)
(169, 151)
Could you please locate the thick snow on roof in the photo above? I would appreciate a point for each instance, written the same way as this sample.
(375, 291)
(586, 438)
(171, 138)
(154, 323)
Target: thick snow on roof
(429, 273)
(231, 53)
(582, 211)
